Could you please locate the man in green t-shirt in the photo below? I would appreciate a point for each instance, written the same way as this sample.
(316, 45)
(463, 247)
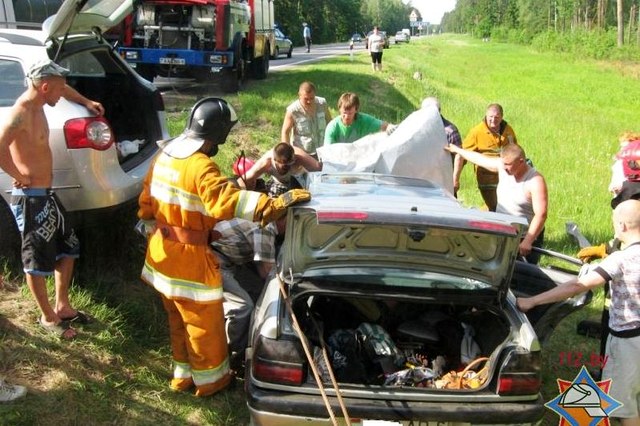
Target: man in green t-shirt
(351, 125)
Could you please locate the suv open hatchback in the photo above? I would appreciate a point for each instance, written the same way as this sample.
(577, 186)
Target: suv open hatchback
(400, 285)
(98, 162)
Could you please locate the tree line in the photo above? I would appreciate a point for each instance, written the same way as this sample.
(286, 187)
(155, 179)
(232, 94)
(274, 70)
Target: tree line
(531, 18)
(337, 20)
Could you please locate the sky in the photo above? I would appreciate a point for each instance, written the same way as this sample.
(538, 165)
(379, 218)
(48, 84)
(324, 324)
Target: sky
(432, 10)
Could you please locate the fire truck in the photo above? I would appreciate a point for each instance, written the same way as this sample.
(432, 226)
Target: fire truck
(200, 39)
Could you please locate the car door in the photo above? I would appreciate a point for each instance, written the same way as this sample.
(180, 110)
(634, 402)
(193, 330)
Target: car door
(529, 280)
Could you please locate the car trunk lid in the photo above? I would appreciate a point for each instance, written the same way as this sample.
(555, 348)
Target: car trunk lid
(85, 16)
(362, 224)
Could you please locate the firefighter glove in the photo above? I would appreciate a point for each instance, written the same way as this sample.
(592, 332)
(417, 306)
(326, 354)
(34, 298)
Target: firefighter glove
(588, 254)
(278, 206)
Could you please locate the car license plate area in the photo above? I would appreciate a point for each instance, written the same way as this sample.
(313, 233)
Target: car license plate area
(172, 61)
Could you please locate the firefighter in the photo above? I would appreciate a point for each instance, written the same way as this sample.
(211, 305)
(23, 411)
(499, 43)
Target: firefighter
(183, 197)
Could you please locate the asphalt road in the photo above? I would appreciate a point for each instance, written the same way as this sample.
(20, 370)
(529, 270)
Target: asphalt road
(300, 55)
(177, 90)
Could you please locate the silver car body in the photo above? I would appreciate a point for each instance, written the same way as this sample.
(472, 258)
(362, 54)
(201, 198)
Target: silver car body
(388, 239)
(284, 46)
(401, 37)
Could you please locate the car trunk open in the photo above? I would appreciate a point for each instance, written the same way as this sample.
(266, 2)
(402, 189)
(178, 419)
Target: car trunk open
(133, 114)
(398, 340)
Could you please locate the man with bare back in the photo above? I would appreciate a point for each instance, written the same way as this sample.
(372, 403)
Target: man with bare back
(49, 244)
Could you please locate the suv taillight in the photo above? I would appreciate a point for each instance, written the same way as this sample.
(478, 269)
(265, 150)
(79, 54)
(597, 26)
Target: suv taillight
(278, 361)
(520, 373)
(89, 132)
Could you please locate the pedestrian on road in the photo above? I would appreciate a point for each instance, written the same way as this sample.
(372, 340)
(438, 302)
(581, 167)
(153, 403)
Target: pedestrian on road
(375, 43)
(306, 33)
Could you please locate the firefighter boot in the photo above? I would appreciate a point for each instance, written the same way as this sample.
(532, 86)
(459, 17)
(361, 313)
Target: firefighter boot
(181, 385)
(211, 388)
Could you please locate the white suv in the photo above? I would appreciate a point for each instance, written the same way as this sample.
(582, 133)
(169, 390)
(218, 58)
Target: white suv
(98, 163)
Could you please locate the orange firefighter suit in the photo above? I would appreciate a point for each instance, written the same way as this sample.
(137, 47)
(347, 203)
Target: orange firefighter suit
(186, 198)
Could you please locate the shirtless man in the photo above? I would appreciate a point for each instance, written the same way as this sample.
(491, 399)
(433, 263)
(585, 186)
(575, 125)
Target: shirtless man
(48, 246)
(282, 163)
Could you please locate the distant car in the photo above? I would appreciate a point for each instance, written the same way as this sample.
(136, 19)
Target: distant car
(401, 37)
(383, 273)
(357, 38)
(384, 36)
(98, 162)
(284, 46)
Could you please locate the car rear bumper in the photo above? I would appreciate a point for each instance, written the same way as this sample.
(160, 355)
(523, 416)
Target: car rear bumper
(283, 408)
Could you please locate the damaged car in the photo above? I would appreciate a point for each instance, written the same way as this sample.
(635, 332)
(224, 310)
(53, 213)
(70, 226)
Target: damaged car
(393, 304)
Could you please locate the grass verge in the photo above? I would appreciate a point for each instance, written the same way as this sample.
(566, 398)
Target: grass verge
(566, 112)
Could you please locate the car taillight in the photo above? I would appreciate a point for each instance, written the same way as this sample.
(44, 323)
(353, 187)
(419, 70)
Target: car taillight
(518, 384)
(89, 132)
(324, 216)
(277, 372)
(278, 361)
(520, 373)
(494, 227)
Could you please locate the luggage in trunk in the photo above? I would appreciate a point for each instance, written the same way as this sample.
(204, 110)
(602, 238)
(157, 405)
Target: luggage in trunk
(390, 343)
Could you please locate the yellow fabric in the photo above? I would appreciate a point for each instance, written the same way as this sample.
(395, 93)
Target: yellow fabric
(481, 139)
(588, 254)
(279, 206)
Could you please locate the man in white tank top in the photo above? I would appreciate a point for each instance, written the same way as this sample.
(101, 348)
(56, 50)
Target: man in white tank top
(522, 191)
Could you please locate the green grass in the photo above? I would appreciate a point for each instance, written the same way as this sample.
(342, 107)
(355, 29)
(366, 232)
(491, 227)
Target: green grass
(567, 113)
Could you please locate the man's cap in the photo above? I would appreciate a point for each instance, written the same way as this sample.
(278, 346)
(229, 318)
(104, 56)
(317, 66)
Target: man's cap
(46, 68)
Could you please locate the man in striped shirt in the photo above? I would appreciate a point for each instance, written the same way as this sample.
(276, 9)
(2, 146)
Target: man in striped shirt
(244, 250)
(622, 269)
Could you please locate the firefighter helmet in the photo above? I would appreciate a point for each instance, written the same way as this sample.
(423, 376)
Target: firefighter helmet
(211, 119)
(629, 156)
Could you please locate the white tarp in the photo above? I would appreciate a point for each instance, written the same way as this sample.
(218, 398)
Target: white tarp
(414, 149)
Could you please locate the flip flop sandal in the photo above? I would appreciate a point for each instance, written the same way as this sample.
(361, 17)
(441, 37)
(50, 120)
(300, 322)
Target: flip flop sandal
(79, 318)
(59, 329)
